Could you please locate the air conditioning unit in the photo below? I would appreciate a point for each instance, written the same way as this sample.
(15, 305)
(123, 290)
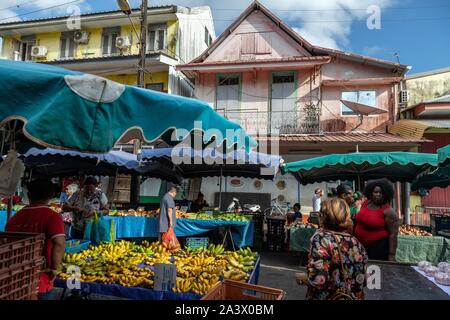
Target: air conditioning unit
(404, 96)
(123, 42)
(38, 51)
(81, 37)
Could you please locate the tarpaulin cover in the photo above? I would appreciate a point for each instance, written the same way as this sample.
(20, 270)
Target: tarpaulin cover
(136, 293)
(3, 216)
(209, 162)
(72, 110)
(144, 227)
(300, 239)
(396, 166)
(410, 249)
(415, 249)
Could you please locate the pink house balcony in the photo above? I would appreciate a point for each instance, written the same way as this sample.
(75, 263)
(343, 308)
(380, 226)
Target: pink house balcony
(275, 122)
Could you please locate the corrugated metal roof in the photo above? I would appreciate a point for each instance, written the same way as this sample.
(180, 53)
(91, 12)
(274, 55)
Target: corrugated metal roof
(441, 99)
(82, 15)
(427, 73)
(349, 137)
(416, 128)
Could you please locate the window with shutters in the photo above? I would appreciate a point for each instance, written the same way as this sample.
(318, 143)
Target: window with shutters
(109, 37)
(67, 46)
(256, 43)
(157, 35)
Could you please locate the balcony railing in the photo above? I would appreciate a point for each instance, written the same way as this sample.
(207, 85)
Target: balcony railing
(274, 122)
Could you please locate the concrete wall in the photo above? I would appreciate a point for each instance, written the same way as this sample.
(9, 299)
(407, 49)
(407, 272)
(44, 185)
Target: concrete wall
(131, 79)
(428, 87)
(294, 192)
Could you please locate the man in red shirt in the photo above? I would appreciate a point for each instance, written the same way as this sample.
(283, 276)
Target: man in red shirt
(37, 217)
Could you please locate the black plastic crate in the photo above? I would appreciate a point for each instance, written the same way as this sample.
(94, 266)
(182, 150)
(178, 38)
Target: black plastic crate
(275, 246)
(275, 227)
(439, 222)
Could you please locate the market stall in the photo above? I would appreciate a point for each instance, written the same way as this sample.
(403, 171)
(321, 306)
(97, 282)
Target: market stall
(413, 245)
(125, 269)
(147, 227)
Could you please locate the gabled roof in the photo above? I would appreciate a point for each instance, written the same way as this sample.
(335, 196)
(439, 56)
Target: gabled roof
(314, 50)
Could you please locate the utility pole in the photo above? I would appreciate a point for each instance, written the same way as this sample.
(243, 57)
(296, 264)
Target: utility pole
(125, 7)
(135, 187)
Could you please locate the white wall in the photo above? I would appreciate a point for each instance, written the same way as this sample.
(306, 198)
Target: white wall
(293, 192)
(150, 187)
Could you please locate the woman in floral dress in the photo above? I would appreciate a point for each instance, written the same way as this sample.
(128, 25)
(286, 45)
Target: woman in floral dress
(337, 260)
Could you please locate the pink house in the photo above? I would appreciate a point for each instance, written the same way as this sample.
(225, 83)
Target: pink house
(265, 76)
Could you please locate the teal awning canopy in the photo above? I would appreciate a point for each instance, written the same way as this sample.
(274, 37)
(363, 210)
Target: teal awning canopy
(439, 177)
(444, 156)
(395, 166)
(71, 110)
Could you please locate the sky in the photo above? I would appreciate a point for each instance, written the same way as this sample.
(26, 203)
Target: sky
(414, 32)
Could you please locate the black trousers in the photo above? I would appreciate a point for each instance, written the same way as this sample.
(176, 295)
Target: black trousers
(379, 250)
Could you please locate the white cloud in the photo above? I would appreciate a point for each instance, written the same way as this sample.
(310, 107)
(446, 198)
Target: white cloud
(300, 15)
(372, 50)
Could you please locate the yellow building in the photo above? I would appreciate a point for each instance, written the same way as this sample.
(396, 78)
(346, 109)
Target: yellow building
(106, 44)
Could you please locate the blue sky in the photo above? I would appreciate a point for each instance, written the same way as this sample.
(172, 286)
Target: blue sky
(418, 31)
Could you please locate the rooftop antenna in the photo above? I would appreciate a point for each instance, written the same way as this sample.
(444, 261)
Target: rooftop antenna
(397, 56)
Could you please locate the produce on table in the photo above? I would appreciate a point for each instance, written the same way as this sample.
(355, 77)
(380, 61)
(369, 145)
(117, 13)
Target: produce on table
(431, 270)
(299, 224)
(413, 231)
(73, 243)
(140, 212)
(221, 216)
(423, 265)
(442, 278)
(129, 264)
(444, 267)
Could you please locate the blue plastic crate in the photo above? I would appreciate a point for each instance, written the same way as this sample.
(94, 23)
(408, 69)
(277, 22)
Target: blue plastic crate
(196, 243)
(83, 245)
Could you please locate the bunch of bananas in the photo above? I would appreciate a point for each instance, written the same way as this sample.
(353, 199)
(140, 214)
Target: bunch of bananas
(197, 270)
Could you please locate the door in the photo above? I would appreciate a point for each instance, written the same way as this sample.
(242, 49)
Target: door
(228, 96)
(283, 115)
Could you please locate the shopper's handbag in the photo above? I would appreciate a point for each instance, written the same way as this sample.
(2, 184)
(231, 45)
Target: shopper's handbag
(341, 293)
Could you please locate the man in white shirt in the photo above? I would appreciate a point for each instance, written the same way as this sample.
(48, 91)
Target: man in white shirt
(317, 199)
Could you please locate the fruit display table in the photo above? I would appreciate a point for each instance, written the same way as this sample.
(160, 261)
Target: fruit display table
(403, 282)
(410, 249)
(126, 270)
(413, 249)
(300, 239)
(144, 227)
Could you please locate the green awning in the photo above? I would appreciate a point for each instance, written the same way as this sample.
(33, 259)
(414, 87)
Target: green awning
(444, 156)
(66, 109)
(395, 166)
(439, 177)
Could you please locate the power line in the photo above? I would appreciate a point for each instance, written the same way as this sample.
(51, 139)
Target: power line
(339, 21)
(39, 10)
(18, 5)
(336, 9)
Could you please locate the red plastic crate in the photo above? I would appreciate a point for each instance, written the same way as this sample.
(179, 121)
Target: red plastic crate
(21, 262)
